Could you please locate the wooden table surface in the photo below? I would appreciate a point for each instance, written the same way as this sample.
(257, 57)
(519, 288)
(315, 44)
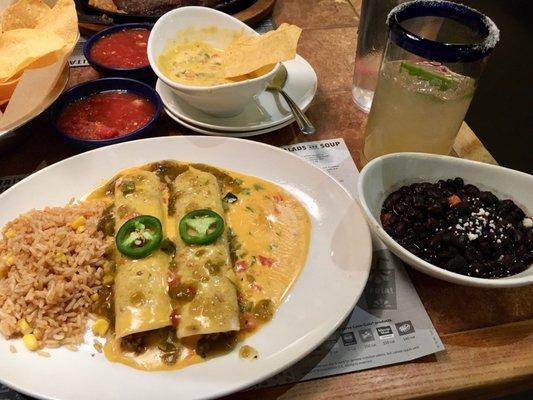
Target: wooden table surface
(488, 334)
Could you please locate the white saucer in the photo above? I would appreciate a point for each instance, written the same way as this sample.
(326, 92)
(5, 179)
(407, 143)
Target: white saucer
(268, 109)
(226, 133)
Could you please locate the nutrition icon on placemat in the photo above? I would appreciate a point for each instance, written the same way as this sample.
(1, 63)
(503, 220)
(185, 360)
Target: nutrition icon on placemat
(405, 328)
(385, 332)
(348, 338)
(366, 335)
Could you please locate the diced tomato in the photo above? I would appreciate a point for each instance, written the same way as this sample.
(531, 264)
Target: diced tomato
(172, 279)
(387, 219)
(248, 321)
(255, 286)
(266, 261)
(102, 131)
(277, 198)
(241, 266)
(175, 318)
(454, 200)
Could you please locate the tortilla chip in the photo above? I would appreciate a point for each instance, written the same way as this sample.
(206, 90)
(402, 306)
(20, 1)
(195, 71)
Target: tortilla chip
(19, 48)
(106, 5)
(63, 21)
(23, 14)
(249, 53)
(7, 88)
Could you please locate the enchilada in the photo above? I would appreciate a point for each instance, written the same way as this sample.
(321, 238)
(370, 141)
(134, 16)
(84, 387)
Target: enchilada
(214, 308)
(141, 299)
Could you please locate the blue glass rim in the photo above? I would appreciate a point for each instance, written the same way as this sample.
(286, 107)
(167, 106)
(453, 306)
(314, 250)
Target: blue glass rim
(440, 51)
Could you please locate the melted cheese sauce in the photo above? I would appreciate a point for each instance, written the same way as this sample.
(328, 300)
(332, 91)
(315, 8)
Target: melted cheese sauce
(273, 230)
(268, 231)
(198, 64)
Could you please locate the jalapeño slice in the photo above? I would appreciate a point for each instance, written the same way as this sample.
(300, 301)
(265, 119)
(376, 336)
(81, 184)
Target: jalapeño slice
(201, 227)
(139, 236)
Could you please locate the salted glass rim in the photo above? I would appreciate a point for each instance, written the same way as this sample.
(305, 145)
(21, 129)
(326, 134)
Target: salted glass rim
(441, 51)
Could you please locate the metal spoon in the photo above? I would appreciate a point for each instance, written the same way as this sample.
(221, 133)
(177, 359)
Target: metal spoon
(277, 86)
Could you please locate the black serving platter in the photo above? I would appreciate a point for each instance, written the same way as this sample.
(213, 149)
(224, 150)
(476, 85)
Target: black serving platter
(228, 6)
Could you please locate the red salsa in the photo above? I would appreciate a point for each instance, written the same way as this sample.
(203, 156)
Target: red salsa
(105, 115)
(122, 49)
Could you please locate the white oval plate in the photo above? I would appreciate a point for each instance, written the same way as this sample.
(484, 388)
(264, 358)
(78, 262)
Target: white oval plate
(267, 110)
(328, 288)
(241, 134)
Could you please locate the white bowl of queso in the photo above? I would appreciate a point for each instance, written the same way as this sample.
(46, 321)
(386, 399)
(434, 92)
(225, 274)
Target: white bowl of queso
(184, 50)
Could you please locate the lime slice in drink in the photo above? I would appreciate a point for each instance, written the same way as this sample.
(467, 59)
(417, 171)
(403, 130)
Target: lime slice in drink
(444, 82)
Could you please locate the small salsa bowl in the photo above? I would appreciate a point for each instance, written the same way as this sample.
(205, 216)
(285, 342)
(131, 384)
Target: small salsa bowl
(137, 72)
(386, 174)
(224, 100)
(87, 89)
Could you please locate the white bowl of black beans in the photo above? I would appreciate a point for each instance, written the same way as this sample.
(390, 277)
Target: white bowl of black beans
(462, 221)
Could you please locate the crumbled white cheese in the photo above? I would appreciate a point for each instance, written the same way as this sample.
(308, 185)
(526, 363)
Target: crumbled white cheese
(527, 222)
(472, 236)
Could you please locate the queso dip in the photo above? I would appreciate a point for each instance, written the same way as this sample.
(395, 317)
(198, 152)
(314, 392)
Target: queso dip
(195, 63)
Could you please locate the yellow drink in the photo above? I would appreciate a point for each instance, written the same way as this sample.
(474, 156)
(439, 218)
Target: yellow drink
(416, 107)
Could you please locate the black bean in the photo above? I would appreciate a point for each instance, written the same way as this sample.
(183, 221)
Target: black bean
(419, 216)
(444, 255)
(444, 203)
(400, 229)
(516, 267)
(472, 254)
(460, 241)
(516, 216)
(435, 209)
(435, 240)
(462, 208)
(456, 263)
(485, 248)
(487, 198)
(419, 202)
(507, 259)
(434, 193)
(431, 224)
(506, 206)
(391, 199)
(446, 237)
(458, 182)
(530, 238)
(412, 248)
(521, 250)
(399, 209)
(471, 189)
(518, 236)
(418, 227)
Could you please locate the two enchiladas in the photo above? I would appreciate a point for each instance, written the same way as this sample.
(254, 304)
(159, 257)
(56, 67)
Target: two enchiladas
(203, 257)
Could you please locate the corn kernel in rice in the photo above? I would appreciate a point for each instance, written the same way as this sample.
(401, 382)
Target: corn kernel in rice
(24, 327)
(30, 341)
(80, 221)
